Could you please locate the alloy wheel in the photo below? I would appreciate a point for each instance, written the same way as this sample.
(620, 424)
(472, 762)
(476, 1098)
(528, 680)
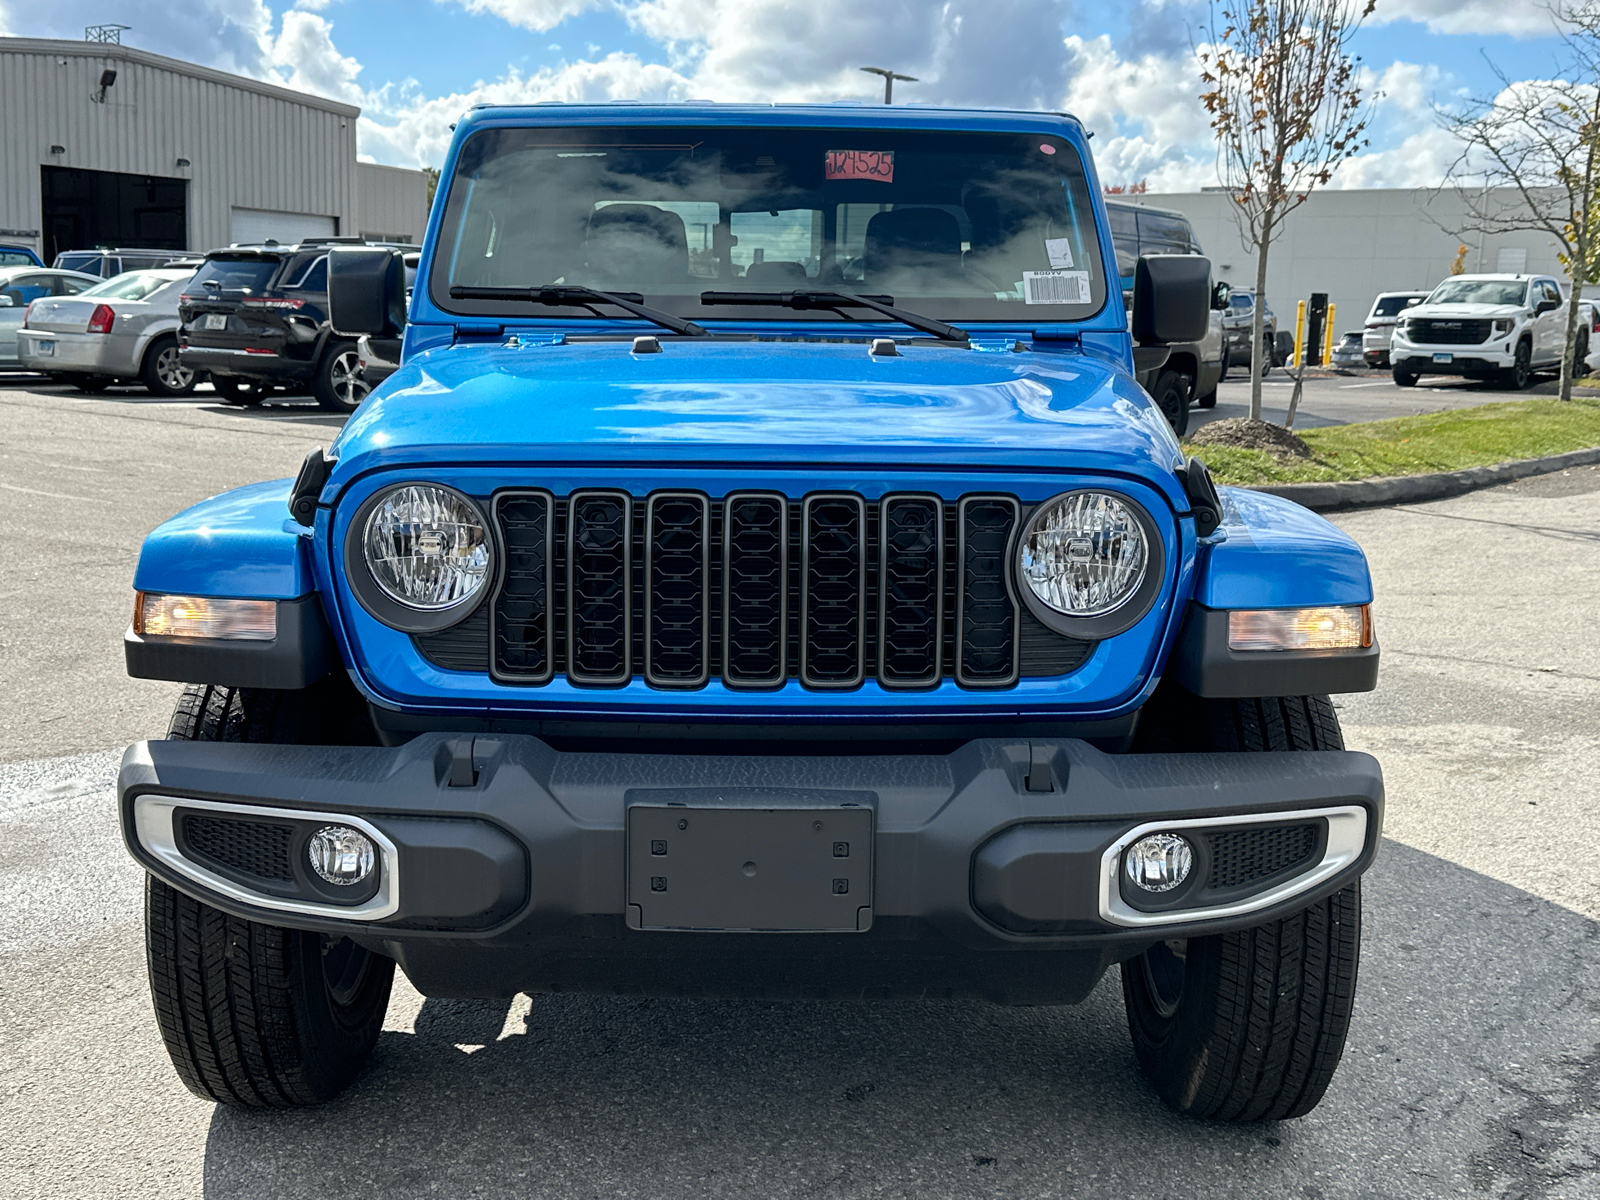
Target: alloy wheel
(171, 371)
(344, 376)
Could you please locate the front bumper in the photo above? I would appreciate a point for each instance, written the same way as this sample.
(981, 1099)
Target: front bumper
(1484, 359)
(993, 871)
(80, 353)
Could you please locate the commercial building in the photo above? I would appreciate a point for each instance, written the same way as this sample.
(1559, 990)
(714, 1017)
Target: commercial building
(1355, 243)
(105, 145)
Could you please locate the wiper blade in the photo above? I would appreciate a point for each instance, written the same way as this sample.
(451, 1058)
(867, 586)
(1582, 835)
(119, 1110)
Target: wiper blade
(567, 296)
(837, 300)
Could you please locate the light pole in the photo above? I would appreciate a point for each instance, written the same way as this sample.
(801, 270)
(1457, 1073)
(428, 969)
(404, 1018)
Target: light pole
(888, 81)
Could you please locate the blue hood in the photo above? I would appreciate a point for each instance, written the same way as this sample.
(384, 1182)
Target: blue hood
(748, 403)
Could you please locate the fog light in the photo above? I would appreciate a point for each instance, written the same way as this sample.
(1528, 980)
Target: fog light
(341, 855)
(1158, 863)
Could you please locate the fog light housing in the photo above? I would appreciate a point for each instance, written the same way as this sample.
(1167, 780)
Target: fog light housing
(340, 855)
(1344, 628)
(159, 615)
(1158, 863)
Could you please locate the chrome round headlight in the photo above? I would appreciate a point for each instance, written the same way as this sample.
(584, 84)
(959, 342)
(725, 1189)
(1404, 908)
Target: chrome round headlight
(1084, 554)
(427, 547)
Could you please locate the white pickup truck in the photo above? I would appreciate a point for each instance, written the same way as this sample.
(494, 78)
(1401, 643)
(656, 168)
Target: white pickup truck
(1500, 327)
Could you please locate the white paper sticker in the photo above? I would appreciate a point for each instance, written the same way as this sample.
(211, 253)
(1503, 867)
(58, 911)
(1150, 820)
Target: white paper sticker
(1055, 287)
(1060, 252)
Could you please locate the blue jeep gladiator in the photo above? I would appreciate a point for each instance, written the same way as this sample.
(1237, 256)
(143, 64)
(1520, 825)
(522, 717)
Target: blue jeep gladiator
(764, 576)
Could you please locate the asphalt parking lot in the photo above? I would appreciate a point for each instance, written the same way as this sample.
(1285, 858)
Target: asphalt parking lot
(1474, 1062)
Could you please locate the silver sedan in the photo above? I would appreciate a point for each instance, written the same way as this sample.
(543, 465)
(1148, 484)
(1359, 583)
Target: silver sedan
(19, 287)
(123, 329)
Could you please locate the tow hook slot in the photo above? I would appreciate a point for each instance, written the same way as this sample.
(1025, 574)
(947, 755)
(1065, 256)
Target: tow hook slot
(1041, 775)
(455, 765)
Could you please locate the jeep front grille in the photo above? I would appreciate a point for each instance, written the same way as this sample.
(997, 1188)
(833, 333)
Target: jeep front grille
(755, 589)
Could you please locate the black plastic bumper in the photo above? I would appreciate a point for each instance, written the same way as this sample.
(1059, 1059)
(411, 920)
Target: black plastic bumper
(511, 861)
(270, 368)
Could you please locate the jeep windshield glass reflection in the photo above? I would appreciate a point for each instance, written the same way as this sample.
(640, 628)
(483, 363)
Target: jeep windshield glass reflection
(975, 226)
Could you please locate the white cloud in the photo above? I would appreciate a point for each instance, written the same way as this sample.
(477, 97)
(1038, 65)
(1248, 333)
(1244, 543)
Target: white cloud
(537, 15)
(311, 5)
(303, 57)
(1519, 18)
(1146, 115)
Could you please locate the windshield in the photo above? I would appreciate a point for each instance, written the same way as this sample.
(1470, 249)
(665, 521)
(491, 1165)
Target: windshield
(79, 262)
(134, 285)
(1390, 306)
(1479, 291)
(953, 225)
(232, 275)
(1244, 303)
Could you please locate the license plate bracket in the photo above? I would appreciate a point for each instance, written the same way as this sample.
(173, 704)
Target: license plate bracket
(1444, 358)
(44, 348)
(744, 863)
(216, 320)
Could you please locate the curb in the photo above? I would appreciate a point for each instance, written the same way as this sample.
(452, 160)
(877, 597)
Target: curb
(1413, 489)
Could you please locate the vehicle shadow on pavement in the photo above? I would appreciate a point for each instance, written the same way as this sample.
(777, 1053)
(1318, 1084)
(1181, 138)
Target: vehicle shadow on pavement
(1473, 1065)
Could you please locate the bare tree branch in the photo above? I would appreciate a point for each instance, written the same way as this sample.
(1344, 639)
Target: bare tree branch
(1287, 109)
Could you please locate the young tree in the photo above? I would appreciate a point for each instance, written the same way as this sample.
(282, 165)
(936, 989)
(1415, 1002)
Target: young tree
(1287, 107)
(1540, 138)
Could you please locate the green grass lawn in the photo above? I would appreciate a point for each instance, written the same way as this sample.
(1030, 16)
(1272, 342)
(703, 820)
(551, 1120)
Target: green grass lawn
(1445, 441)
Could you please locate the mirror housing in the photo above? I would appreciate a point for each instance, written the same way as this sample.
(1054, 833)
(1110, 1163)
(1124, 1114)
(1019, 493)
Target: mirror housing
(1221, 297)
(1547, 305)
(366, 291)
(1172, 299)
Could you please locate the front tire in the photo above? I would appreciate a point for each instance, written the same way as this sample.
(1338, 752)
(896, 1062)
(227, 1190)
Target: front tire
(1406, 378)
(1250, 1026)
(338, 386)
(164, 373)
(256, 1015)
(1515, 377)
(1171, 394)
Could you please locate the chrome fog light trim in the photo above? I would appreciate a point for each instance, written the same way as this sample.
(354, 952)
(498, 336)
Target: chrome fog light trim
(153, 825)
(1347, 837)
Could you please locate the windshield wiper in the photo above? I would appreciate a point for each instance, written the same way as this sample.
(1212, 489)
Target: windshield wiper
(580, 297)
(836, 300)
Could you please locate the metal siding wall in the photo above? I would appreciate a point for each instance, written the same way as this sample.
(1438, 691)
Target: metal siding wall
(390, 200)
(248, 149)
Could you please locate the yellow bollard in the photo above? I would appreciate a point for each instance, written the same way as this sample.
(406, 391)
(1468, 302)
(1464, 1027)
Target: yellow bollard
(1327, 336)
(1300, 334)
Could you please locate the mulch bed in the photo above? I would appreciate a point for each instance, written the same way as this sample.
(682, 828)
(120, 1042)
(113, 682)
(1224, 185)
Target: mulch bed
(1251, 435)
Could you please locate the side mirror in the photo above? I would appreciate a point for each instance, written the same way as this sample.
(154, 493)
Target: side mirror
(1548, 305)
(366, 291)
(1172, 298)
(1221, 297)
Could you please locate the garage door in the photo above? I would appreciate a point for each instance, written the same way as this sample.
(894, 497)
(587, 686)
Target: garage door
(264, 225)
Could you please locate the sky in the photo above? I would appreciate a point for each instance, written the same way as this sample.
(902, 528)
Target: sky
(1126, 68)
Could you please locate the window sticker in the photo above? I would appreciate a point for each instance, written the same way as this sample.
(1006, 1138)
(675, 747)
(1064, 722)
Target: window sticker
(874, 165)
(1060, 252)
(1055, 287)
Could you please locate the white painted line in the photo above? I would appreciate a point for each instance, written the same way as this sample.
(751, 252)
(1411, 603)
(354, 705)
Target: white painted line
(11, 487)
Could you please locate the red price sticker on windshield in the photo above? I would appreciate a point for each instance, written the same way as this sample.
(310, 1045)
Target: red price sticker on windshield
(877, 165)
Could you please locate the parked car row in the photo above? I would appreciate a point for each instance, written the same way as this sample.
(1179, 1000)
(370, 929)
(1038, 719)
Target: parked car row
(251, 319)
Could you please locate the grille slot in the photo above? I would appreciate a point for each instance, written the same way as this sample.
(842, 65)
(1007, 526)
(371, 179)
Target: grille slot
(600, 588)
(1244, 856)
(833, 591)
(1439, 332)
(524, 609)
(910, 591)
(677, 597)
(256, 848)
(987, 645)
(755, 608)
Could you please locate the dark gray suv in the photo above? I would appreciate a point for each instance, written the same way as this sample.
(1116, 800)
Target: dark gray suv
(1236, 331)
